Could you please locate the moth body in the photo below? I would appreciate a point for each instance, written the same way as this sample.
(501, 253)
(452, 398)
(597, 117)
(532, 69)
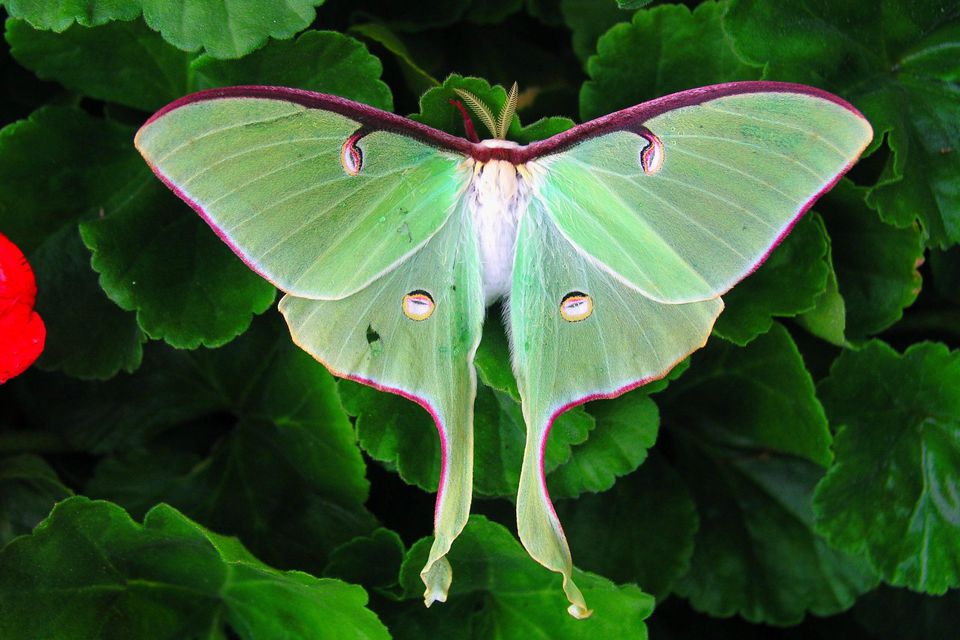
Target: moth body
(498, 193)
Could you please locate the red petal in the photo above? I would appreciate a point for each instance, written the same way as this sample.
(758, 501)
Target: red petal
(22, 333)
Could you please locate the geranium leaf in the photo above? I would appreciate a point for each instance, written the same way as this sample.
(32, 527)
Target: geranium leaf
(648, 522)
(58, 16)
(90, 567)
(626, 429)
(57, 168)
(227, 30)
(156, 257)
(760, 395)
(323, 61)
(738, 423)
(418, 78)
(875, 262)
(688, 49)
(285, 475)
(756, 553)
(801, 261)
(896, 63)
(588, 20)
(402, 435)
(373, 561)
(29, 487)
(892, 491)
(506, 594)
(108, 62)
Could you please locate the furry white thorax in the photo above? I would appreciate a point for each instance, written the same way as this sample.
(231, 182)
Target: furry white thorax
(499, 193)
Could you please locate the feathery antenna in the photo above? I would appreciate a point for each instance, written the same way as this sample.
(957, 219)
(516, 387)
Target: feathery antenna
(506, 114)
(498, 126)
(483, 111)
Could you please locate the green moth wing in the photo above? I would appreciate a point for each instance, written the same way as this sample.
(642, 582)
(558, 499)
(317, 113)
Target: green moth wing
(694, 198)
(414, 332)
(319, 202)
(579, 334)
(636, 223)
(360, 217)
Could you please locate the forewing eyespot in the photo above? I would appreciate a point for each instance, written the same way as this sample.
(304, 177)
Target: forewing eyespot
(651, 156)
(351, 157)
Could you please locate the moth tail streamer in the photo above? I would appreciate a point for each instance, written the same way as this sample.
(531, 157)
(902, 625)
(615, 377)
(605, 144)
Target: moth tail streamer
(537, 523)
(454, 495)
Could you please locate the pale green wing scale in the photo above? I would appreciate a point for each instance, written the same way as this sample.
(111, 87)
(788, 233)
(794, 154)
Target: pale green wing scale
(360, 217)
(414, 332)
(628, 229)
(684, 204)
(579, 334)
(317, 202)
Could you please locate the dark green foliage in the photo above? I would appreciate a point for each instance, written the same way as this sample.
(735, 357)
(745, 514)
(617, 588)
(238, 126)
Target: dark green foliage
(801, 471)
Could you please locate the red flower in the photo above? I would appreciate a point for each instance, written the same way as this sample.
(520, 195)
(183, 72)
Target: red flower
(21, 330)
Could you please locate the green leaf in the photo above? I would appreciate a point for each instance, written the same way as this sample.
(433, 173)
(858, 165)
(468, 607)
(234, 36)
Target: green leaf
(500, 592)
(324, 61)
(735, 421)
(632, 4)
(588, 20)
(403, 436)
(57, 168)
(88, 336)
(157, 257)
(28, 490)
(897, 62)
(875, 263)
(437, 112)
(373, 561)
(663, 50)
(892, 491)
(122, 62)
(828, 318)
(286, 477)
(227, 29)
(756, 553)
(788, 283)
(62, 167)
(58, 16)
(646, 524)
(626, 429)
(89, 569)
(760, 396)
(419, 80)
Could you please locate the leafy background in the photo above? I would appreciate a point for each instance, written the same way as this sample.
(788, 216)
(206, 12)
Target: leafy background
(797, 478)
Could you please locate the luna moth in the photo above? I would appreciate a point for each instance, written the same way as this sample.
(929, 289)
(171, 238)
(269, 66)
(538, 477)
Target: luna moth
(609, 243)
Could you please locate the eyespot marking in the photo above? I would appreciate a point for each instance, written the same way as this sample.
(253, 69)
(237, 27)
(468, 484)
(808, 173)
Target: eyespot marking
(651, 156)
(576, 306)
(351, 158)
(418, 305)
